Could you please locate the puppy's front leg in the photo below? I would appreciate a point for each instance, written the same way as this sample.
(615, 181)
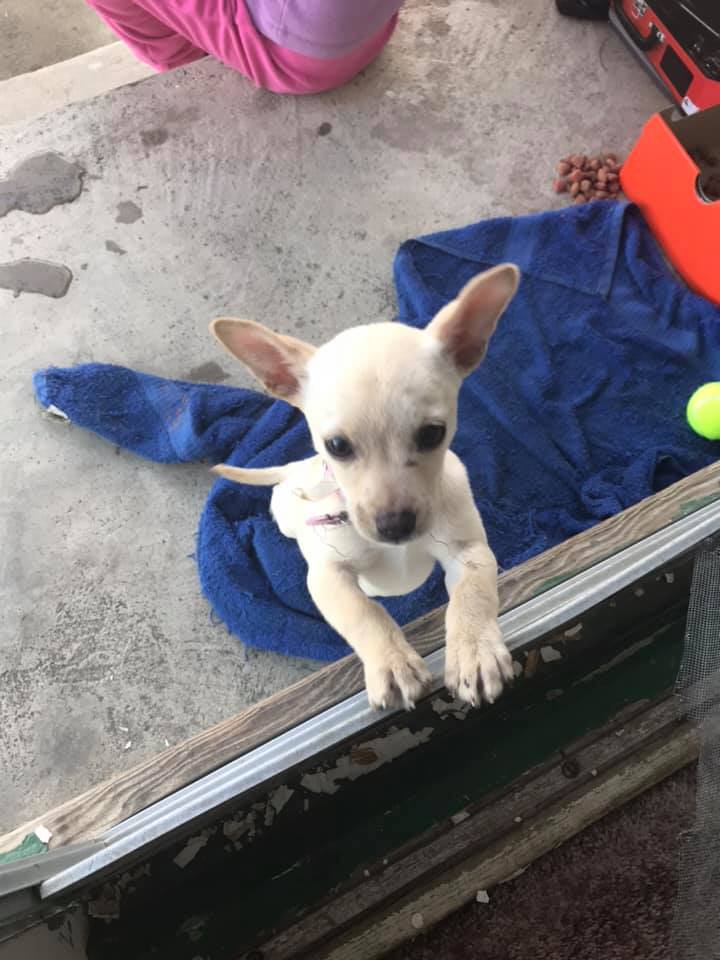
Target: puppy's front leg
(476, 658)
(392, 668)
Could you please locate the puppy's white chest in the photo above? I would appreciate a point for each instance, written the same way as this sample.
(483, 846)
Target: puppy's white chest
(383, 571)
(394, 571)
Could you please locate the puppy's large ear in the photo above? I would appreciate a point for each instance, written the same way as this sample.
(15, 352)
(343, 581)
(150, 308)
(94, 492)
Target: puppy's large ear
(278, 361)
(465, 325)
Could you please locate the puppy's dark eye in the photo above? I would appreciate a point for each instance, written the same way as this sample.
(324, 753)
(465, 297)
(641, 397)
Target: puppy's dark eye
(430, 436)
(339, 447)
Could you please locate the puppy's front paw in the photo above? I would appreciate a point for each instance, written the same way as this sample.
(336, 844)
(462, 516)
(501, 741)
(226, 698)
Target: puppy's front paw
(477, 663)
(396, 674)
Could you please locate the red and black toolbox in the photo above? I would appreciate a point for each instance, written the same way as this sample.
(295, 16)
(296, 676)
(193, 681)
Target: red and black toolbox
(679, 41)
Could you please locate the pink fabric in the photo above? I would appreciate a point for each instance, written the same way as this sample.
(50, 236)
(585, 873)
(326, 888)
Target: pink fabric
(170, 33)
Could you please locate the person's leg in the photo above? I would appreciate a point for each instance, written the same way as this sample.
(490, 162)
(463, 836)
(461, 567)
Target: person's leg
(151, 39)
(293, 72)
(170, 33)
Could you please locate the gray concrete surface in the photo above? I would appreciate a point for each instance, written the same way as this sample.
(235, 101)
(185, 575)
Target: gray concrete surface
(285, 210)
(33, 34)
(29, 95)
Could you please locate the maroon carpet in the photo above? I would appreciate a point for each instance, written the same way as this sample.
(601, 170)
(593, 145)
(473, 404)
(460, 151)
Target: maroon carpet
(607, 894)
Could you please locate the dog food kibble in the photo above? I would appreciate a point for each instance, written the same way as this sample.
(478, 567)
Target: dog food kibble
(589, 178)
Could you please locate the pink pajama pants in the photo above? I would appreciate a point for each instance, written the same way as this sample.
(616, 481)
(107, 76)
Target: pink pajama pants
(170, 33)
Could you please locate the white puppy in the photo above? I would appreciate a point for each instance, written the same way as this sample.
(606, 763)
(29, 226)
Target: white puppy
(385, 499)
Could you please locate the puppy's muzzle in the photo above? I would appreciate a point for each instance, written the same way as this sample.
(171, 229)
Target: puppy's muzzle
(396, 526)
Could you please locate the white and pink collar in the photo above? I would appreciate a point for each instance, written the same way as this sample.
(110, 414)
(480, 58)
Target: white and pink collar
(326, 489)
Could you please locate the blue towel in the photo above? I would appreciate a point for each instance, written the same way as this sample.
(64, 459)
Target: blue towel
(576, 413)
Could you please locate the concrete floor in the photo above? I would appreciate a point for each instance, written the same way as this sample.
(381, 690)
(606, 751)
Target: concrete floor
(36, 34)
(286, 210)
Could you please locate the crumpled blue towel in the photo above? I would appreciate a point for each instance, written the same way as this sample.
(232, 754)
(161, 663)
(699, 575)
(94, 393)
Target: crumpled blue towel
(576, 413)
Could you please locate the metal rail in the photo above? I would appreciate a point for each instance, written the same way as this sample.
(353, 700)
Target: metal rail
(520, 626)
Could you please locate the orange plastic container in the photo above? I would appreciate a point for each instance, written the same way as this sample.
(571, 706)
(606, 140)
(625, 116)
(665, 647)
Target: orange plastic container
(662, 179)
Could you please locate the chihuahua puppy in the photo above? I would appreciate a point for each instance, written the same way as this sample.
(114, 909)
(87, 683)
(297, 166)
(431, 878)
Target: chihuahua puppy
(385, 498)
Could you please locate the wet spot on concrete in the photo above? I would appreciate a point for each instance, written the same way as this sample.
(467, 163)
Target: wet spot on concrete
(128, 212)
(39, 183)
(35, 276)
(16, 241)
(114, 248)
(182, 115)
(83, 266)
(210, 372)
(438, 26)
(417, 129)
(153, 138)
(324, 129)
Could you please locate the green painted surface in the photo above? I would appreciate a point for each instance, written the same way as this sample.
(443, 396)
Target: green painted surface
(693, 505)
(30, 846)
(233, 897)
(448, 772)
(302, 858)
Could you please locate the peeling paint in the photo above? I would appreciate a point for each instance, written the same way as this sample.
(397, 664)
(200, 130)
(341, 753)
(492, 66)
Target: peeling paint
(574, 631)
(106, 906)
(245, 825)
(623, 655)
(190, 851)
(453, 708)
(278, 798)
(236, 828)
(387, 748)
(128, 878)
(549, 654)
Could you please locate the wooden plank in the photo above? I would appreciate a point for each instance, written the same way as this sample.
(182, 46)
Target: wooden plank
(86, 816)
(484, 826)
(400, 920)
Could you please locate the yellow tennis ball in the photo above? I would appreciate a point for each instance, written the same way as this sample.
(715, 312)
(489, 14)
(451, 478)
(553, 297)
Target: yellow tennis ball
(703, 411)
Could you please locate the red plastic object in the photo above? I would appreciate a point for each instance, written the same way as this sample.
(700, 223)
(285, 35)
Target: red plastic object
(662, 179)
(641, 24)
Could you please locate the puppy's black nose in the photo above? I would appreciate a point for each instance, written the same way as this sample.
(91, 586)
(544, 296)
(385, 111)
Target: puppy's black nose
(396, 526)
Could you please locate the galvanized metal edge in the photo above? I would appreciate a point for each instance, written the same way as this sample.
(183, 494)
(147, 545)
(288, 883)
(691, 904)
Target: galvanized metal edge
(520, 626)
